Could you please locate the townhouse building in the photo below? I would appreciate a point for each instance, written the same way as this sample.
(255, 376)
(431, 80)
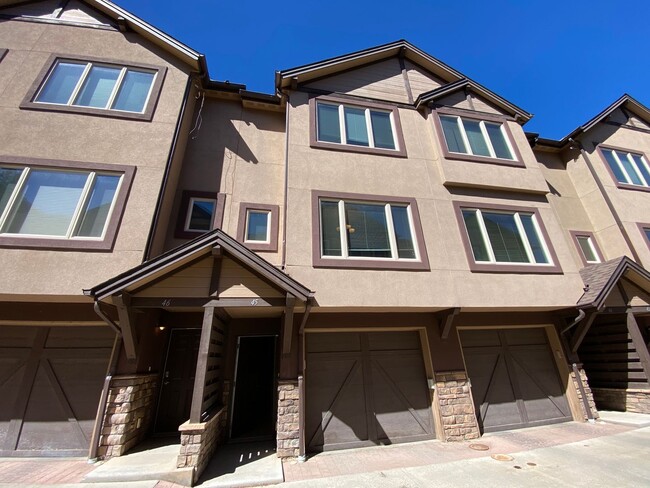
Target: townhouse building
(376, 253)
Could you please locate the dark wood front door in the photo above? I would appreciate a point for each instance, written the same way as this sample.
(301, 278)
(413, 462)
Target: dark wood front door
(50, 382)
(178, 380)
(254, 402)
(514, 378)
(364, 389)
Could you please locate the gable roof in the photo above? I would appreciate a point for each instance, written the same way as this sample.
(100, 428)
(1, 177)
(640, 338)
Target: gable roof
(170, 261)
(626, 101)
(467, 84)
(332, 66)
(600, 279)
(127, 20)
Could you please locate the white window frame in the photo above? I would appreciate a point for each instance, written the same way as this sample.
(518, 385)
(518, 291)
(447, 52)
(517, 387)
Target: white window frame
(82, 79)
(75, 220)
(188, 216)
(522, 235)
(486, 137)
(343, 132)
(616, 153)
(343, 226)
(268, 226)
(591, 245)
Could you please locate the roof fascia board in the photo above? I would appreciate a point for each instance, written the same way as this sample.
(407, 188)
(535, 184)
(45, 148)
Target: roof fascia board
(200, 245)
(466, 83)
(184, 52)
(623, 267)
(376, 53)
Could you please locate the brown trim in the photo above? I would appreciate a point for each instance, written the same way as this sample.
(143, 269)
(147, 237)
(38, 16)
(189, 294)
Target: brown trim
(183, 209)
(314, 142)
(437, 111)
(575, 234)
(624, 186)
(500, 267)
(274, 211)
(29, 103)
(77, 244)
(405, 77)
(320, 262)
(642, 229)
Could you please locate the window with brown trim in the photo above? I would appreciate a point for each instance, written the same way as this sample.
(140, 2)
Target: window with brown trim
(645, 230)
(199, 212)
(479, 138)
(629, 169)
(347, 125)
(500, 238)
(97, 87)
(258, 226)
(61, 204)
(367, 231)
(587, 247)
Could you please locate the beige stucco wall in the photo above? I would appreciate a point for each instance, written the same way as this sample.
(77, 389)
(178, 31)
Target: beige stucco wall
(237, 151)
(84, 138)
(632, 206)
(421, 175)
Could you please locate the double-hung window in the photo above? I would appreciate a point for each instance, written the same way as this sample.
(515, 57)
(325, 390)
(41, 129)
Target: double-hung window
(476, 137)
(48, 205)
(353, 127)
(628, 168)
(94, 86)
(504, 238)
(355, 230)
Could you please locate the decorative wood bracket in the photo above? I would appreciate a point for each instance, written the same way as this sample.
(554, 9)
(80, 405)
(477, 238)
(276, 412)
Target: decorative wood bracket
(287, 325)
(580, 333)
(127, 324)
(446, 322)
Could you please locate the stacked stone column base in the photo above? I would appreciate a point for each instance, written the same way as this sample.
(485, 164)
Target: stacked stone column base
(588, 393)
(456, 406)
(288, 440)
(128, 415)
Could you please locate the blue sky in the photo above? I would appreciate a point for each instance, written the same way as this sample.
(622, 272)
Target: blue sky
(563, 61)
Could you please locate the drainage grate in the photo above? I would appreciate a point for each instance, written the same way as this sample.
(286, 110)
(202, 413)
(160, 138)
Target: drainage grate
(479, 447)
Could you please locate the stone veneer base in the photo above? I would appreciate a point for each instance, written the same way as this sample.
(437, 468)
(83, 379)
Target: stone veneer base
(588, 393)
(456, 407)
(631, 400)
(288, 426)
(129, 413)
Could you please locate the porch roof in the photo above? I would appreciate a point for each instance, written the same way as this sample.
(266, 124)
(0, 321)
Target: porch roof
(172, 260)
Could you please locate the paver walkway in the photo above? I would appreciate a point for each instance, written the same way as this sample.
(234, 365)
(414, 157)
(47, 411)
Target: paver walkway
(43, 471)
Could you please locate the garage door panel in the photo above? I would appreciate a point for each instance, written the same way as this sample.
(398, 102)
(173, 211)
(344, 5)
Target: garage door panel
(51, 388)
(519, 389)
(338, 399)
(379, 396)
(401, 404)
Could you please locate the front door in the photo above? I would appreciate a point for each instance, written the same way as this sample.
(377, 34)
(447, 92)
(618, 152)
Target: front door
(178, 380)
(253, 412)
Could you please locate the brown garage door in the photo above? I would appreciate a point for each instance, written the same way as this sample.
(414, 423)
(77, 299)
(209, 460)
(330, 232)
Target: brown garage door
(514, 378)
(50, 382)
(365, 389)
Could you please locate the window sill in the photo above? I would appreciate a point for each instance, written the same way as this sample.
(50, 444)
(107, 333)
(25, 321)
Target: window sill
(628, 186)
(54, 244)
(514, 268)
(483, 159)
(99, 112)
(359, 149)
(320, 262)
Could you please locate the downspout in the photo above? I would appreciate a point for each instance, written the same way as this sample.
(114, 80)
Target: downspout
(106, 318)
(302, 451)
(608, 201)
(581, 315)
(168, 168)
(286, 182)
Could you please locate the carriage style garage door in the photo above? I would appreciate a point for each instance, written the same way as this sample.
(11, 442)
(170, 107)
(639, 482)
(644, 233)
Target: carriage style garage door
(365, 389)
(514, 378)
(50, 382)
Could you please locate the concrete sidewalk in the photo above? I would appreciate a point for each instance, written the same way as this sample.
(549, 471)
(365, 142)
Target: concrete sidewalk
(620, 460)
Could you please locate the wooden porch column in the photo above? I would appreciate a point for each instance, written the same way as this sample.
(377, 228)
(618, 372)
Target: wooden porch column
(208, 366)
(639, 343)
